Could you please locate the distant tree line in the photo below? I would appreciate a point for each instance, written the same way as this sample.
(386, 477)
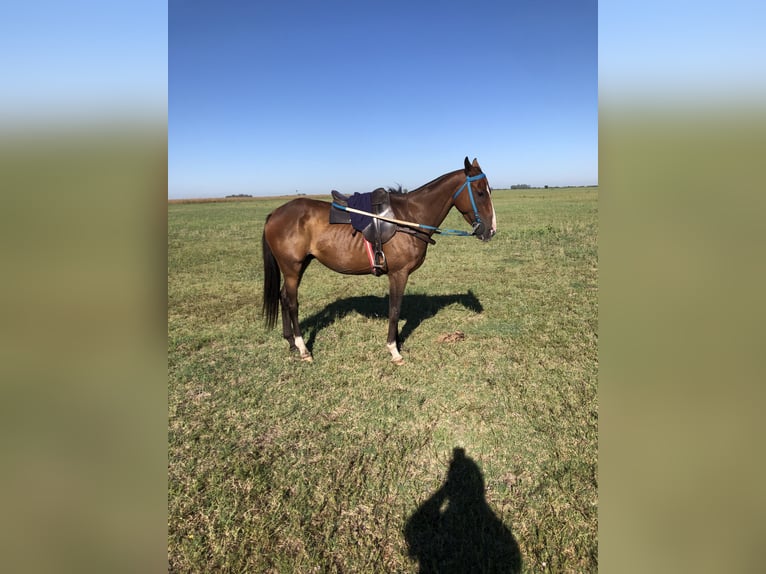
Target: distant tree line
(240, 195)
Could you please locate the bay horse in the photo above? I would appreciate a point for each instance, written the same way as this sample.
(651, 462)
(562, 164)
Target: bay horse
(300, 230)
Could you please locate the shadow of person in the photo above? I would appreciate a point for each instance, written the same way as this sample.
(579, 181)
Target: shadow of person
(455, 530)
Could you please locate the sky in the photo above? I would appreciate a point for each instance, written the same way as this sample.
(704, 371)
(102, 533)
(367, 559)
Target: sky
(683, 53)
(273, 98)
(80, 61)
(278, 97)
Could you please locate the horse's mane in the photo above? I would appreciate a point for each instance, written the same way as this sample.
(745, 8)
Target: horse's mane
(398, 189)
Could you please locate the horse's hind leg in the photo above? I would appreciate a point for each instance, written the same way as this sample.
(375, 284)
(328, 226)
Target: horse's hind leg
(289, 300)
(287, 323)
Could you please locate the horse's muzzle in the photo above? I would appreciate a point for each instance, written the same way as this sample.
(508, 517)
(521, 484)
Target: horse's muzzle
(480, 231)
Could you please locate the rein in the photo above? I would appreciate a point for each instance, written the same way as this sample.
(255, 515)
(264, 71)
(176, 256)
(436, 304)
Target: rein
(477, 224)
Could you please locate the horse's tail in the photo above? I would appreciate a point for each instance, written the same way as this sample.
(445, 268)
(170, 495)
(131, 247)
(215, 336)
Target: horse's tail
(271, 283)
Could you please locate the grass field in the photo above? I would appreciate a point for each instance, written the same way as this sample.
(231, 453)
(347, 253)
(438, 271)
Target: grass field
(341, 465)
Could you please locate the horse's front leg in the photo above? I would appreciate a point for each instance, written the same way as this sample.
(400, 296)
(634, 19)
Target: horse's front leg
(396, 283)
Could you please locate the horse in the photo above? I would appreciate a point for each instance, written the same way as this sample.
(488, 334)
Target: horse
(299, 231)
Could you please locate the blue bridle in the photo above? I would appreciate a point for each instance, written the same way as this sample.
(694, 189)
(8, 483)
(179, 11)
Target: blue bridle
(478, 224)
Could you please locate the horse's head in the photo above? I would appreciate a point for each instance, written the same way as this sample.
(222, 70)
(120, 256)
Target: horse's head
(474, 200)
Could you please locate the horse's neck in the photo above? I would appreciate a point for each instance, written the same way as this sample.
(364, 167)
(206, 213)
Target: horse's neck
(431, 203)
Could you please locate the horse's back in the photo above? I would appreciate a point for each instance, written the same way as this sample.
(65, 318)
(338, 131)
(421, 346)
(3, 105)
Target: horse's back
(299, 213)
(301, 207)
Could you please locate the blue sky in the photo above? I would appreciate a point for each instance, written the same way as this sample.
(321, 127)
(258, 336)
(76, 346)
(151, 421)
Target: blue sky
(682, 53)
(274, 98)
(82, 60)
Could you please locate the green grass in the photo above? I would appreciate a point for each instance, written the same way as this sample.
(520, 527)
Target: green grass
(281, 466)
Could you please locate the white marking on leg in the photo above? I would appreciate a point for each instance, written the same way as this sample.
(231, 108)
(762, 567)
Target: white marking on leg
(395, 356)
(305, 355)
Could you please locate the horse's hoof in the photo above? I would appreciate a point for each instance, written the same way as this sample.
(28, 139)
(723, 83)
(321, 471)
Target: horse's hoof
(399, 362)
(308, 359)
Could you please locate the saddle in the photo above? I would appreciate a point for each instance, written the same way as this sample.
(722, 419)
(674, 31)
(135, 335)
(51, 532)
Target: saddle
(374, 230)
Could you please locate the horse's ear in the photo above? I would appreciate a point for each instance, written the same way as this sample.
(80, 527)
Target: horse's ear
(467, 165)
(475, 162)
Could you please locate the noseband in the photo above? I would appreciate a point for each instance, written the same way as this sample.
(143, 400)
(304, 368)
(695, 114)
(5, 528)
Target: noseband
(478, 224)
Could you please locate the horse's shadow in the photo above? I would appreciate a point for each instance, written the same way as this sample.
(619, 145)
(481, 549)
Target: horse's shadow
(416, 308)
